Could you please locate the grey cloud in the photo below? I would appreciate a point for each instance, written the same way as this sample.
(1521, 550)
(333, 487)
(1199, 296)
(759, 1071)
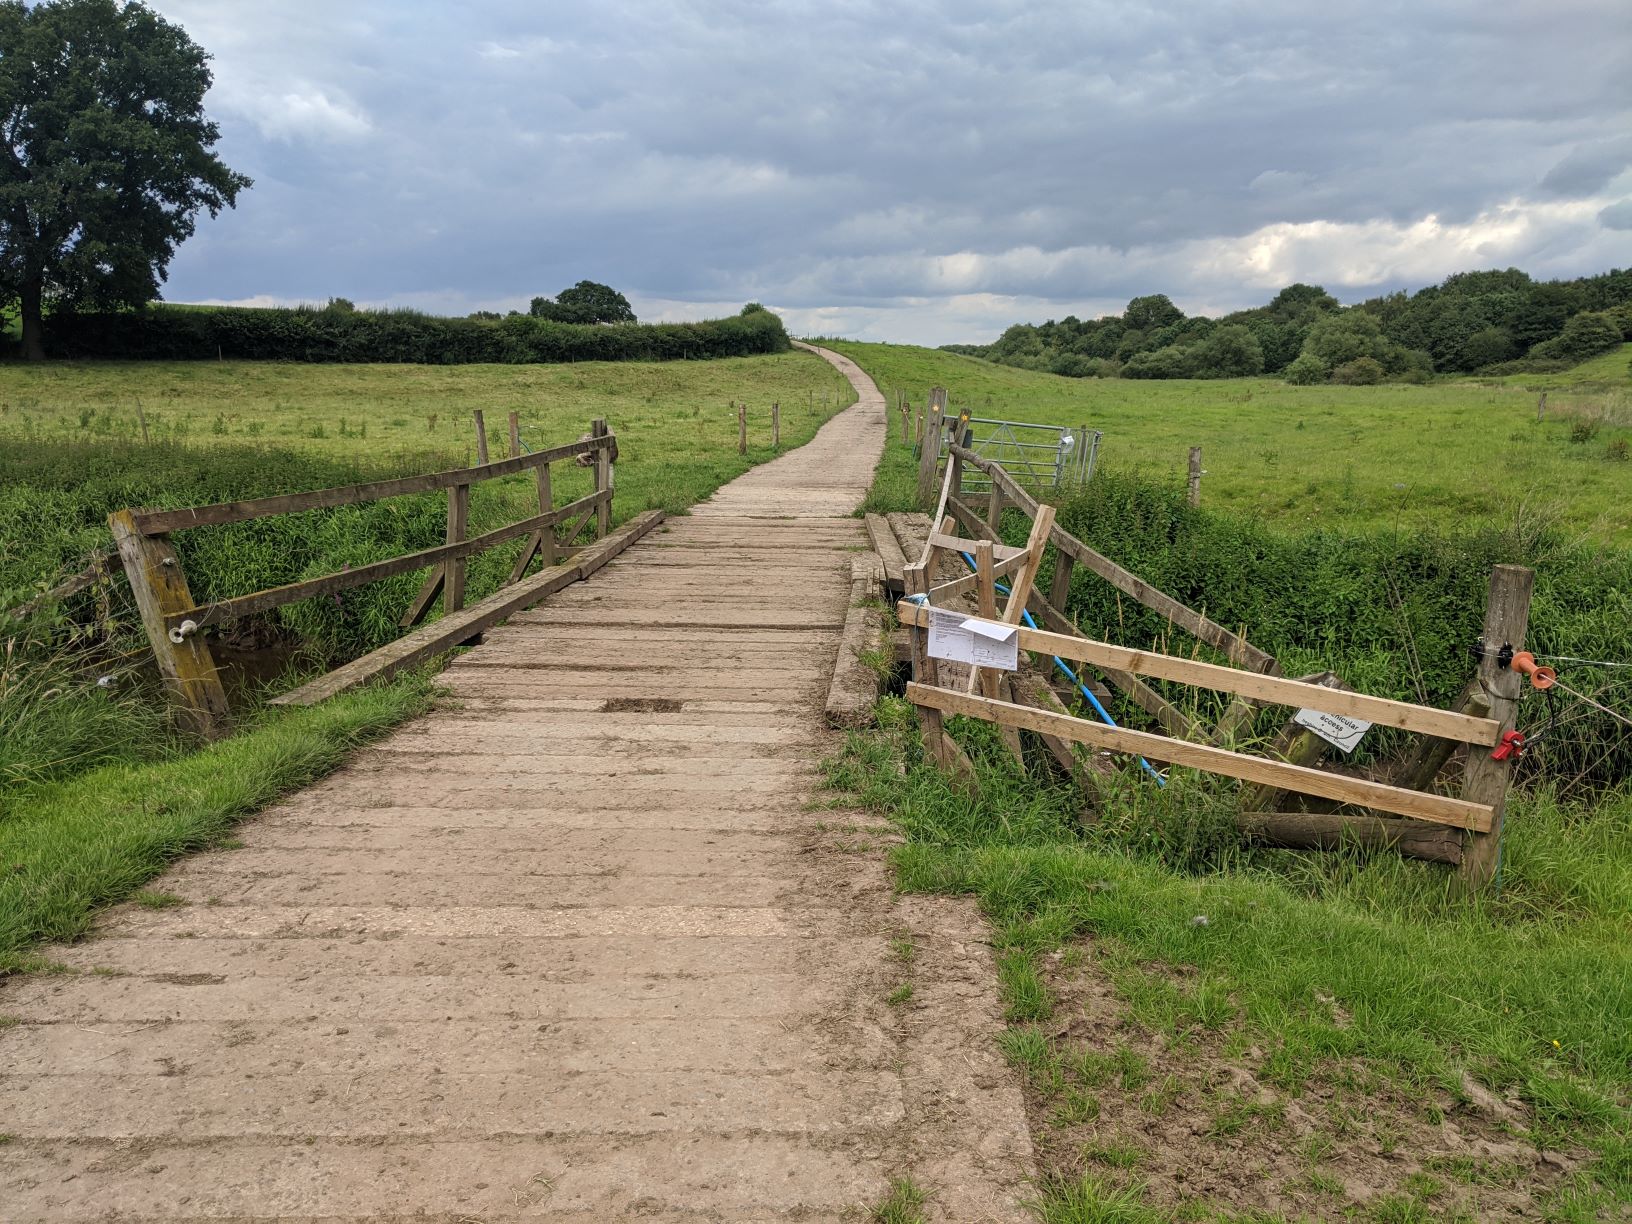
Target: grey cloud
(1589, 167)
(1617, 216)
(837, 157)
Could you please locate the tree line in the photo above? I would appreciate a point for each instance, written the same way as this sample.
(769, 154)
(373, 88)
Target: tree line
(1493, 322)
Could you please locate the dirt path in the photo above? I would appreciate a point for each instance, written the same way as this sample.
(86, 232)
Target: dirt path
(575, 947)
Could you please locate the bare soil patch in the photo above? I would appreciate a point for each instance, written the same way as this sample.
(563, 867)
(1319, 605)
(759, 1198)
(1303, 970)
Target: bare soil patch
(1207, 1119)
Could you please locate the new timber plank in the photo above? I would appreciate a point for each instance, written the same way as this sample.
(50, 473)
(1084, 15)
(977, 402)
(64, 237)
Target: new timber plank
(1447, 724)
(1437, 808)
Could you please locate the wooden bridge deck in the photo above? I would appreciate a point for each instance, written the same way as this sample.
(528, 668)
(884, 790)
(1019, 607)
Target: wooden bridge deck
(576, 947)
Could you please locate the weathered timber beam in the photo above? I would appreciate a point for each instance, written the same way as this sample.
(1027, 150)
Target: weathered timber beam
(456, 628)
(262, 601)
(160, 522)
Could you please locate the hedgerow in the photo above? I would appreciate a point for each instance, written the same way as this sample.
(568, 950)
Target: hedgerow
(164, 333)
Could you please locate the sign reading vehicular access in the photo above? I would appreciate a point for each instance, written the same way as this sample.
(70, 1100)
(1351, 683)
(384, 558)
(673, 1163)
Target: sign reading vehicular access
(1341, 733)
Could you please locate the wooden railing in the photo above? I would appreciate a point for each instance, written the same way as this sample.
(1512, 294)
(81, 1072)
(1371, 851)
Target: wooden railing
(175, 624)
(1463, 830)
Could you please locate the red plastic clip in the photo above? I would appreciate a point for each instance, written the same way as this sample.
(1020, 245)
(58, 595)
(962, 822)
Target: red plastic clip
(1512, 745)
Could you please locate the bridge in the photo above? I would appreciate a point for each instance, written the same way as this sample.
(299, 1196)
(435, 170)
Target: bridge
(576, 945)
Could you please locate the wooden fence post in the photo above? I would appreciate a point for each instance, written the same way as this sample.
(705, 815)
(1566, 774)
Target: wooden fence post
(1195, 476)
(1059, 590)
(776, 426)
(930, 454)
(453, 569)
(160, 589)
(546, 503)
(1541, 406)
(742, 428)
(1507, 616)
(994, 506)
(925, 670)
(603, 477)
(515, 436)
(481, 437)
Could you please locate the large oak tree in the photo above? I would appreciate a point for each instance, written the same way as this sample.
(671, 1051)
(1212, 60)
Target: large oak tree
(108, 156)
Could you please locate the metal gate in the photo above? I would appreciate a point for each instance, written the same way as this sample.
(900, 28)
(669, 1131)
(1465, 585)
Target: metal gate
(1049, 456)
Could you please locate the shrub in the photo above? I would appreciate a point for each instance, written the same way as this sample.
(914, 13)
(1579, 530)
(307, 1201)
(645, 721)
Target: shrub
(1619, 450)
(1588, 334)
(1305, 370)
(1583, 429)
(1361, 372)
(304, 334)
(1162, 363)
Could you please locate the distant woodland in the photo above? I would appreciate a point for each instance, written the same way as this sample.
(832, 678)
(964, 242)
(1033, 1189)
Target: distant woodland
(1496, 322)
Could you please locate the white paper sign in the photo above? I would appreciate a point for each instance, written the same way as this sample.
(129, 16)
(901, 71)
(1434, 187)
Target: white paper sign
(1341, 733)
(969, 639)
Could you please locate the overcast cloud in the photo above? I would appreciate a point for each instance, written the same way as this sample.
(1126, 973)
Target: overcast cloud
(907, 171)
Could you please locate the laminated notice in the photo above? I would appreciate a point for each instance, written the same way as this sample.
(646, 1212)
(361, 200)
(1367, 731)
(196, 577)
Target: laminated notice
(973, 640)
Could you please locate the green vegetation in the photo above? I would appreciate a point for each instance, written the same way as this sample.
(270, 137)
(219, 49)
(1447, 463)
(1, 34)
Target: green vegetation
(1346, 977)
(339, 332)
(1373, 459)
(1493, 321)
(585, 302)
(903, 1204)
(73, 846)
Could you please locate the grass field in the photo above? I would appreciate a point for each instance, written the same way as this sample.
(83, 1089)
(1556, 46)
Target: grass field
(1211, 1034)
(72, 444)
(400, 412)
(1447, 453)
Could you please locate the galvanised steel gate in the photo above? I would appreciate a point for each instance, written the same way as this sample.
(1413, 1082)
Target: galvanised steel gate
(1049, 456)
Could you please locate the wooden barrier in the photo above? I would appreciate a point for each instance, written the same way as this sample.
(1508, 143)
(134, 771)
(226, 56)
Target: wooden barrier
(175, 624)
(1461, 830)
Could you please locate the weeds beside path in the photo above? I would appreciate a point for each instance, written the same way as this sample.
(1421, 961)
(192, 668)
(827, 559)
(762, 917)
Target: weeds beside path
(69, 848)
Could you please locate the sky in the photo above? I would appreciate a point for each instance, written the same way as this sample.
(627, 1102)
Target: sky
(904, 171)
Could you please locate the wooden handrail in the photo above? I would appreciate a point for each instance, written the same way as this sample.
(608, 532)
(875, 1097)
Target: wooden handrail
(1235, 647)
(1440, 809)
(162, 522)
(293, 592)
(1447, 724)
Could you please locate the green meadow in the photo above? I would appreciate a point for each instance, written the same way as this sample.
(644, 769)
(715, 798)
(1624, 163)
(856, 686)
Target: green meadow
(1449, 452)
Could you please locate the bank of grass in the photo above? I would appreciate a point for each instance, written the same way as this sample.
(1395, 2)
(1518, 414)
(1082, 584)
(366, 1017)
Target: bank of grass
(1320, 965)
(69, 848)
(1460, 451)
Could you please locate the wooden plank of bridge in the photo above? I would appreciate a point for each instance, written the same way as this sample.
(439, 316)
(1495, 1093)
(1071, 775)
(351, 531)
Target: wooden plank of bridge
(574, 944)
(888, 549)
